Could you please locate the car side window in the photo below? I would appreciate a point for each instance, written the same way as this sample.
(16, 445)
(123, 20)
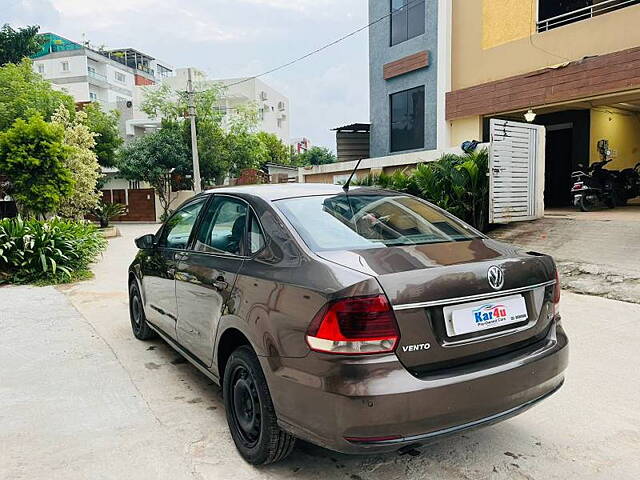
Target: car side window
(256, 238)
(224, 227)
(177, 230)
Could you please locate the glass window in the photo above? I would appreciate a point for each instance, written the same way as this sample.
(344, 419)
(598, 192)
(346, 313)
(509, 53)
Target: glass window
(177, 230)
(120, 77)
(224, 228)
(407, 120)
(41, 68)
(256, 238)
(65, 66)
(407, 20)
(352, 221)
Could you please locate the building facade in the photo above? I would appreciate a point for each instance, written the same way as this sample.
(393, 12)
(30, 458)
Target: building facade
(109, 77)
(273, 107)
(408, 40)
(574, 66)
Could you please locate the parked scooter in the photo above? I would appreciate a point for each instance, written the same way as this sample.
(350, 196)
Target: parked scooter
(628, 185)
(594, 187)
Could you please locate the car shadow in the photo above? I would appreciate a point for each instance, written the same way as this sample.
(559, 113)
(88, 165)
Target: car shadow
(486, 450)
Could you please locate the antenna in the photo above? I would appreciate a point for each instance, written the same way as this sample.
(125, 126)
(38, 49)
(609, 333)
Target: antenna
(345, 187)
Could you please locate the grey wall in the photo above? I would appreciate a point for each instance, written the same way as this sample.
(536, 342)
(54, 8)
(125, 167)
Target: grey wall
(380, 53)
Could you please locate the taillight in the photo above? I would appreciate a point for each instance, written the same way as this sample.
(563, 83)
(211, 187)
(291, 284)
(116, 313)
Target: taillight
(556, 295)
(354, 326)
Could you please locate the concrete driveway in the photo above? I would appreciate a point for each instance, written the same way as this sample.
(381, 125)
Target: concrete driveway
(598, 253)
(82, 399)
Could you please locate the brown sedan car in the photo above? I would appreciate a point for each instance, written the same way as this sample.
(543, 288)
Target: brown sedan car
(366, 321)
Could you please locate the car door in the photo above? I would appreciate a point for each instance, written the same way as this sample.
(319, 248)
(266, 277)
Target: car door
(158, 268)
(205, 275)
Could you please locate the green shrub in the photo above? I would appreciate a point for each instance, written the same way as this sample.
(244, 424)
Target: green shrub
(47, 251)
(105, 212)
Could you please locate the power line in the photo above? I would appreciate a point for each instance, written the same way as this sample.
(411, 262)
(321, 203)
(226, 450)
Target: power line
(328, 45)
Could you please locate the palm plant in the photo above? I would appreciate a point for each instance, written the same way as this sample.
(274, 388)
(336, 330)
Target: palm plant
(105, 212)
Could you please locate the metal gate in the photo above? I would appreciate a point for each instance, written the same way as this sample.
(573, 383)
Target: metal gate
(516, 170)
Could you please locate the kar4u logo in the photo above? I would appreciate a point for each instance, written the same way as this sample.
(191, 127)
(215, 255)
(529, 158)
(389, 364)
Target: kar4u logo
(487, 313)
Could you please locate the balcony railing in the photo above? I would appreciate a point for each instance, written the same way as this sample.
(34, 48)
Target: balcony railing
(584, 13)
(96, 75)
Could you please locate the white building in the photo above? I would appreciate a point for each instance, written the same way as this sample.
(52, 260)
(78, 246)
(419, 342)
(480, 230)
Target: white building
(273, 106)
(89, 75)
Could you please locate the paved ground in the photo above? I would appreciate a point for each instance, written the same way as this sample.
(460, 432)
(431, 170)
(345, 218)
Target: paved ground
(598, 252)
(81, 399)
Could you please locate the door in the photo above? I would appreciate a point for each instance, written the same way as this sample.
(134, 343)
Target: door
(516, 171)
(158, 268)
(558, 166)
(142, 205)
(205, 275)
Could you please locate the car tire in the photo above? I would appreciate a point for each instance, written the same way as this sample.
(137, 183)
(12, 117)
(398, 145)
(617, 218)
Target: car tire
(250, 412)
(139, 325)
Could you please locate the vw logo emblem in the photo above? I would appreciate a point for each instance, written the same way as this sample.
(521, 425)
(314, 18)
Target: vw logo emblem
(495, 275)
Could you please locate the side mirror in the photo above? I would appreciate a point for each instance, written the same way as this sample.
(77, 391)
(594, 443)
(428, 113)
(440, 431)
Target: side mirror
(146, 242)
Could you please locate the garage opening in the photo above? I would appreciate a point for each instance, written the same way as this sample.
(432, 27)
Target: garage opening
(573, 131)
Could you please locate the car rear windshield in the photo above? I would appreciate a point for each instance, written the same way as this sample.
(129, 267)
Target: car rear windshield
(351, 222)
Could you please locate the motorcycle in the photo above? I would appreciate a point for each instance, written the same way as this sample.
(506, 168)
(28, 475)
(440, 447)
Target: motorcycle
(594, 186)
(628, 185)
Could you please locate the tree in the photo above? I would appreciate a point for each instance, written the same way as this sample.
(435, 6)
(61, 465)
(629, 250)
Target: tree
(277, 151)
(18, 44)
(173, 105)
(81, 162)
(108, 139)
(152, 158)
(33, 156)
(24, 93)
(317, 156)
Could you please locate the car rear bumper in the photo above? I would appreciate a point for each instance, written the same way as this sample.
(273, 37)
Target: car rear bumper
(374, 404)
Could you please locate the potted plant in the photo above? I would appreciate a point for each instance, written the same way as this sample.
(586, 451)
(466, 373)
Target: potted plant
(105, 212)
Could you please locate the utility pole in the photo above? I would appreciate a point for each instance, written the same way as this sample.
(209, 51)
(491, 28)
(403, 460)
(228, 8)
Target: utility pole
(197, 185)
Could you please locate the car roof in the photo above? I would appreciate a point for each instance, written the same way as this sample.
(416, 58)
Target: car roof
(278, 191)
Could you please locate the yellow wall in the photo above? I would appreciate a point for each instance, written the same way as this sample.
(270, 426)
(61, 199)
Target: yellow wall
(463, 129)
(622, 129)
(490, 39)
(504, 21)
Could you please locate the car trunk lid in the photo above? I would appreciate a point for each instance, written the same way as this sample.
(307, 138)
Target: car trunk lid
(425, 283)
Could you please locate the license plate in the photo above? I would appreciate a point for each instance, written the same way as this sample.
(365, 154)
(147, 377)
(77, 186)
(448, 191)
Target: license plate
(486, 315)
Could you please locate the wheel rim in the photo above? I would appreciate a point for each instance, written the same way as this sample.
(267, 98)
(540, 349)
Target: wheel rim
(246, 406)
(136, 310)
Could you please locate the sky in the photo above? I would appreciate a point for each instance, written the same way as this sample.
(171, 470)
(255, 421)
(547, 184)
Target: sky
(232, 39)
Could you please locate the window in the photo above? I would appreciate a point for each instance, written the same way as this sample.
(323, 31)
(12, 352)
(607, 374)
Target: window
(41, 69)
(353, 221)
(93, 96)
(120, 77)
(407, 120)
(557, 13)
(256, 238)
(224, 227)
(407, 20)
(177, 230)
(65, 66)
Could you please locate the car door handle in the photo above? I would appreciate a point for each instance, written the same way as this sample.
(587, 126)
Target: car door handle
(220, 284)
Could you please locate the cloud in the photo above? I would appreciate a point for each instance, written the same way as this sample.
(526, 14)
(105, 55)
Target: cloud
(29, 12)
